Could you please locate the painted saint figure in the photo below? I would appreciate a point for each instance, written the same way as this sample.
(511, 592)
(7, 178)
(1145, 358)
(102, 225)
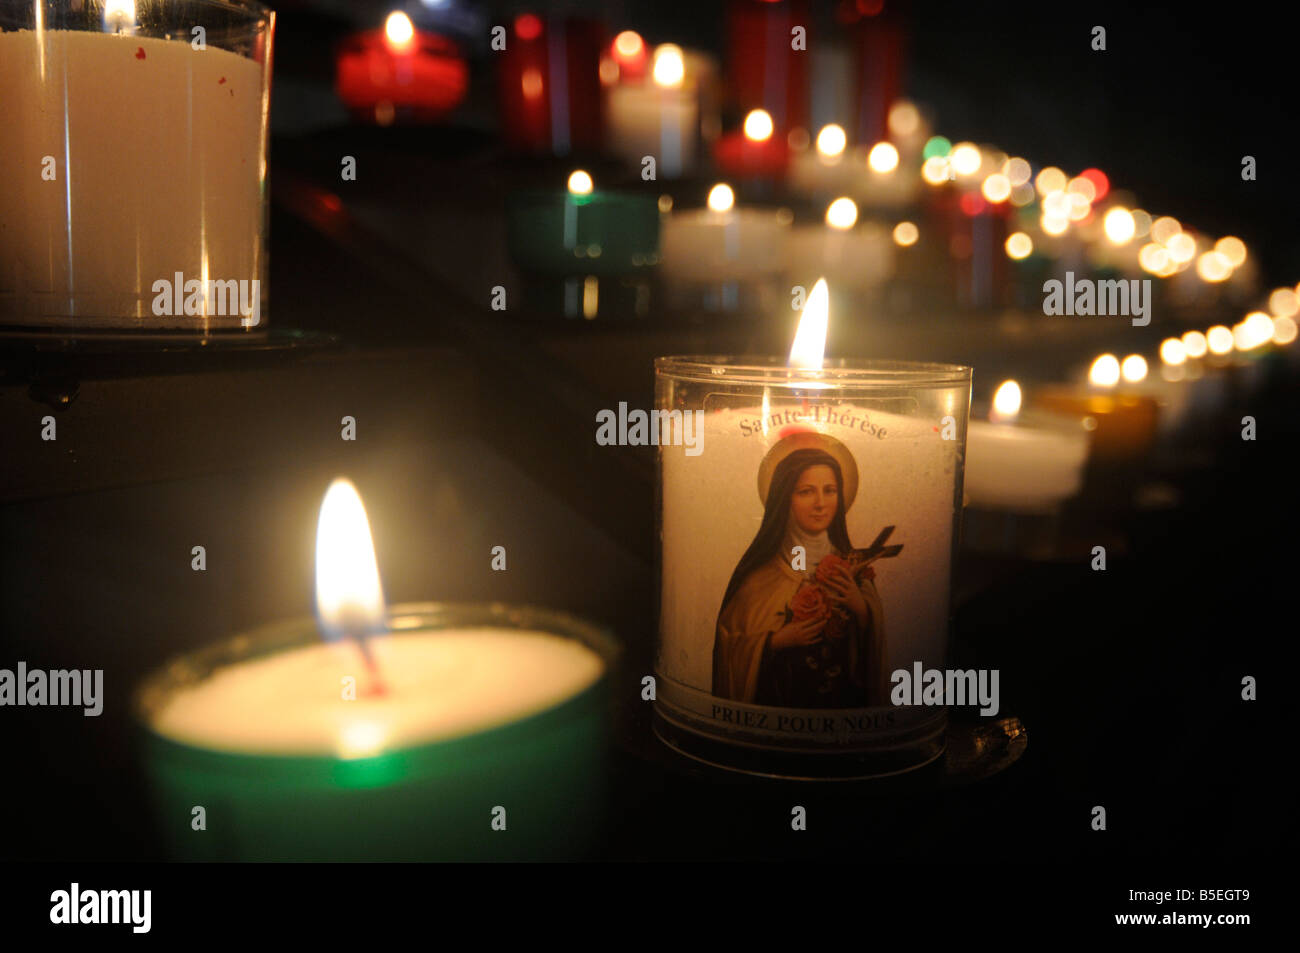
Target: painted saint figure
(807, 637)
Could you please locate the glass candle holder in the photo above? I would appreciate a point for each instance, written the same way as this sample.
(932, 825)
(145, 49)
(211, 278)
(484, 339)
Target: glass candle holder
(135, 164)
(448, 763)
(784, 484)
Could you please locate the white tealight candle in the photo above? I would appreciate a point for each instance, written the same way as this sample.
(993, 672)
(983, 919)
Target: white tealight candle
(722, 243)
(1023, 461)
(852, 256)
(128, 160)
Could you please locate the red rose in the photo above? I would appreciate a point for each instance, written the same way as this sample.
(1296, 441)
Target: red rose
(808, 603)
(829, 567)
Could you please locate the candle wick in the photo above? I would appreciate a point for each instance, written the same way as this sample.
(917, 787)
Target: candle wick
(376, 686)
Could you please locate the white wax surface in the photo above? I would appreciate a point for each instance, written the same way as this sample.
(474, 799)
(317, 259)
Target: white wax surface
(1022, 468)
(704, 245)
(440, 685)
(157, 172)
(711, 512)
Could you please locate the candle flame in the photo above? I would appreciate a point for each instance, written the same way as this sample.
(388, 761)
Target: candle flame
(1104, 371)
(349, 598)
(119, 16)
(1134, 368)
(758, 125)
(628, 44)
(842, 214)
(831, 141)
(669, 68)
(1006, 401)
(580, 182)
(399, 31)
(721, 198)
(810, 340)
(1219, 340)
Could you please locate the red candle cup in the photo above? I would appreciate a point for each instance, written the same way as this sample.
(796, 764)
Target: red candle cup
(417, 77)
(549, 85)
(763, 68)
(739, 157)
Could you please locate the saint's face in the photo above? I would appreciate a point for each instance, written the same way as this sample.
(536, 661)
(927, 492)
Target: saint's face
(815, 500)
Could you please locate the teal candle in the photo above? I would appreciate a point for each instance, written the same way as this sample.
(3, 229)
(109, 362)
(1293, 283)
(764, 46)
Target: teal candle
(488, 740)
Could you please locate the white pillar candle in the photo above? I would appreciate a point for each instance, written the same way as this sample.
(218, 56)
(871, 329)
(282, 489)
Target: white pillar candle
(127, 160)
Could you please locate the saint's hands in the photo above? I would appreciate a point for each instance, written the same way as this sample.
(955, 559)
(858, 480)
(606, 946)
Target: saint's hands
(844, 592)
(800, 632)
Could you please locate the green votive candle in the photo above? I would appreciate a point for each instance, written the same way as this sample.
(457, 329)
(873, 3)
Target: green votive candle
(485, 741)
(410, 732)
(583, 252)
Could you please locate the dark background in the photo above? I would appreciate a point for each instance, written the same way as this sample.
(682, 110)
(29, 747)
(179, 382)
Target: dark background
(475, 432)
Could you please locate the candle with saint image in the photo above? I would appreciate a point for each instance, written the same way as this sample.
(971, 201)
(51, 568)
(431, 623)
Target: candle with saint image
(806, 556)
(396, 736)
(132, 159)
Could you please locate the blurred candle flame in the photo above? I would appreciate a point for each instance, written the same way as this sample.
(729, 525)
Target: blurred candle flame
(721, 198)
(580, 182)
(832, 140)
(1006, 401)
(628, 45)
(810, 339)
(349, 597)
(1134, 368)
(1104, 371)
(399, 31)
(119, 16)
(758, 125)
(669, 68)
(842, 214)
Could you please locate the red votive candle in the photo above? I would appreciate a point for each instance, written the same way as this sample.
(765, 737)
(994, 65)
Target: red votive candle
(420, 78)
